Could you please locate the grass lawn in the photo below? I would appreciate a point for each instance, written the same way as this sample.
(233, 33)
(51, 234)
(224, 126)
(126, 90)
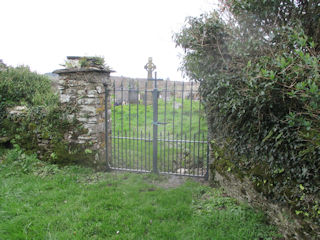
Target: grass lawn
(183, 124)
(191, 117)
(43, 201)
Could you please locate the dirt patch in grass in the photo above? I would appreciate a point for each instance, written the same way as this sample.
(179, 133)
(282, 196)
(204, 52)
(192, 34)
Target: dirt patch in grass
(148, 190)
(173, 181)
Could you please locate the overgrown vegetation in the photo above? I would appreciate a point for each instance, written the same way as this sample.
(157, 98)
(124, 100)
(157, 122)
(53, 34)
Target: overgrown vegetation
(87, 62)
(42, 201)
(258, 65)
(42, 125)
(21, 87)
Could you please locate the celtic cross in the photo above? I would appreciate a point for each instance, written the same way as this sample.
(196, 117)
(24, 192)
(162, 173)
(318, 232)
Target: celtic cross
(150, 67)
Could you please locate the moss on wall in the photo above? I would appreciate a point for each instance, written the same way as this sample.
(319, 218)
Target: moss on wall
(256, 185)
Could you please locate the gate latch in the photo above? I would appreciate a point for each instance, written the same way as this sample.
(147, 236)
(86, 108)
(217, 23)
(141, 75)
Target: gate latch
(159, 123)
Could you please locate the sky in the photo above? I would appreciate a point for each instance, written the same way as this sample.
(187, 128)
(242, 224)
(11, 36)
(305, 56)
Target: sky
(42, 33)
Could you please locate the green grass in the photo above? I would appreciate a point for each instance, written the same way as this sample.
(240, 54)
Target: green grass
(42, 201)
(184, 123)
(140, 118)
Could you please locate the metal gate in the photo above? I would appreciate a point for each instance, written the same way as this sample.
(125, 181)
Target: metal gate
(158, 127)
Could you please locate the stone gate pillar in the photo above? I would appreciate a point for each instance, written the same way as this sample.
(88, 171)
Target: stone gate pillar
(83, 88)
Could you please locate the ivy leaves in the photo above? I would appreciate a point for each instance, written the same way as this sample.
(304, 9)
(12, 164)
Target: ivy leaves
(261, 86)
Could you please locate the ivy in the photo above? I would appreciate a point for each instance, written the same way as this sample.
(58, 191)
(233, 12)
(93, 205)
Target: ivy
(44, 128)
(259, 80)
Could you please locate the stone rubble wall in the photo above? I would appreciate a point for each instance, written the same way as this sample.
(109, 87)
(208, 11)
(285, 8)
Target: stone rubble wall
(17, 114)
(85, 91)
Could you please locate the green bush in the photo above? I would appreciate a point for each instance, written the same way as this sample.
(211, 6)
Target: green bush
(42, 129)
(19, 161)
(16, 162)
(260, 82)
(20, 86)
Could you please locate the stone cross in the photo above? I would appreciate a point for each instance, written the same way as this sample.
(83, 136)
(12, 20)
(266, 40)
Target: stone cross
(150, 67)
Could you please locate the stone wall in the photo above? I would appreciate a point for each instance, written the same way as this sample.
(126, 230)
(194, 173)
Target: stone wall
(242, 189)
(84, 90)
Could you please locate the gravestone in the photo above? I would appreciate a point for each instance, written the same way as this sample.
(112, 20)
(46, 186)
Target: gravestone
(134, 96)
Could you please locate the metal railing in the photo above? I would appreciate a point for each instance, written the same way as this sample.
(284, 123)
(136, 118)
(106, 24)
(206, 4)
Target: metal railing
(160, 130)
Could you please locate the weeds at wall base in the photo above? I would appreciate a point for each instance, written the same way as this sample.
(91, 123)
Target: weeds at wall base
(256, 186)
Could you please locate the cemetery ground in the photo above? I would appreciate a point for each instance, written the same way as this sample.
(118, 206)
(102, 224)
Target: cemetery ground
(43, 201)
(184, 120)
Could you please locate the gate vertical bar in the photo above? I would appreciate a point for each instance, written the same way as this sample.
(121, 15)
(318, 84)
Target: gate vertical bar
(206, 176)
(191, 98)
(173, 113)
(165, 121)
(121, 126)
(145, 125)
(138, 158)
(131, 158)
(181, 132)
(112, 160)
(155, 126)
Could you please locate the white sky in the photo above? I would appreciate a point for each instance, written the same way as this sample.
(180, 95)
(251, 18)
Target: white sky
(41, 33)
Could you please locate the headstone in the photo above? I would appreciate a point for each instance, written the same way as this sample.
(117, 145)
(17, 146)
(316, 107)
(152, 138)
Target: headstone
(147, 99)
(134, 96)
(177, 105)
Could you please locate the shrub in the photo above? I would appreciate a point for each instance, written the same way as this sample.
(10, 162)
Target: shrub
(20, 86)
(44, 128)
(260, 83)
(18, 161)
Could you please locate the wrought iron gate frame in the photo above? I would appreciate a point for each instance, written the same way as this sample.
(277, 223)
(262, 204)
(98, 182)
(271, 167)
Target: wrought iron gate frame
(155, 137)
